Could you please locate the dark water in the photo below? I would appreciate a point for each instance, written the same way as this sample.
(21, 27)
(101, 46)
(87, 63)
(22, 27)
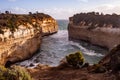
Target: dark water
(55, 47)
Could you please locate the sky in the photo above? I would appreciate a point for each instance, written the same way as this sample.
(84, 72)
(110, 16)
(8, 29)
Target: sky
(60, 9)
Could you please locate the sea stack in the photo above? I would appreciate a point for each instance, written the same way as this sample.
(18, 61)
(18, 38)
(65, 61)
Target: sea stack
(98, 29)
(21, 35)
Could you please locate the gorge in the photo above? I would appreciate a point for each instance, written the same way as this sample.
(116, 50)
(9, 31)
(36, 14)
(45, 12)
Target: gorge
(55, 47)
(106, 69)
(24, 35)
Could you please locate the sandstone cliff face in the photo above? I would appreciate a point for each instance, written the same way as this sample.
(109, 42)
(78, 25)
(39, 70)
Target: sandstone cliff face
(19, 45)
(106, 35)
(49, 27)
(22, 42)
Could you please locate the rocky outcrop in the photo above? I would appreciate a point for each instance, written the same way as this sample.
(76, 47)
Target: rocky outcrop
(102, 30)
(112, 59)
(21, 35)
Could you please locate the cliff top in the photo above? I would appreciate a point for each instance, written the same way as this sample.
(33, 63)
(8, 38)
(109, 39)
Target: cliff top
(96, 19)
(12, 21)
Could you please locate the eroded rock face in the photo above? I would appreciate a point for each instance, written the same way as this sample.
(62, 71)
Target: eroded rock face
(97, 29)
(23, 40)
(49, 27)
(20, 47)
(112, 59)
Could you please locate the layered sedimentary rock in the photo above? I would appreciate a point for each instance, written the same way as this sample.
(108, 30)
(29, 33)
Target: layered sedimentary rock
(21, 35)
(99, 29)
(49, 27)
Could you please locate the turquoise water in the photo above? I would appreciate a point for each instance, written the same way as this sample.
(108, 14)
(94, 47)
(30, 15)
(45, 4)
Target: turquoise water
(55, 47)
(62, 24)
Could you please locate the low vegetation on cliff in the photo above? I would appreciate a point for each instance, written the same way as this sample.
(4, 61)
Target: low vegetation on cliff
(96, 19)
(12, 21)
(14, 73)
(75, 59)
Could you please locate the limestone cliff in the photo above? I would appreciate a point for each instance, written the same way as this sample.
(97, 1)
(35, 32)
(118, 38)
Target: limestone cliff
(49, 27)
(21, 35)
(99, 29)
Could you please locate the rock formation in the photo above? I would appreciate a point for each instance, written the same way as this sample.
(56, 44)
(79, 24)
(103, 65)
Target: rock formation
(20, 35)
(112, 59)
(99, 29)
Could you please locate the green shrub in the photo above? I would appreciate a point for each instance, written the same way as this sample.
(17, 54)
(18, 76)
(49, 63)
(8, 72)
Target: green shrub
(75, 59)
(14, 73)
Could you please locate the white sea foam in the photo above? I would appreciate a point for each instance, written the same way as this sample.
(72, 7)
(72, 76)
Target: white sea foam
(86, 51)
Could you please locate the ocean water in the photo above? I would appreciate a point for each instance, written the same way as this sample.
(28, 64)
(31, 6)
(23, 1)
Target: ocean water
(55, 47)
(62, 24)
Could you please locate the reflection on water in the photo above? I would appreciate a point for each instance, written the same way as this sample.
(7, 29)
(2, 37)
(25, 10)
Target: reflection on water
(57, 46)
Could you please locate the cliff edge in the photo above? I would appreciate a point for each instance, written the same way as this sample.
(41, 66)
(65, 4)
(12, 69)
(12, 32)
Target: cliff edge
(99, 29)
(21, 35)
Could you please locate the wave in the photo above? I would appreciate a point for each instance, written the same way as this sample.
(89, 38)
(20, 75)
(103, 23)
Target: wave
(86, 51)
